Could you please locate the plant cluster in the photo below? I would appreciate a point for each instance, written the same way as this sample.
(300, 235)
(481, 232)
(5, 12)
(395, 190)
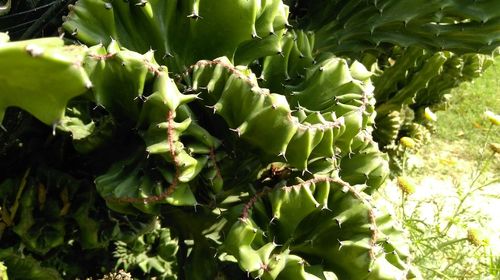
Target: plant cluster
(216, 139)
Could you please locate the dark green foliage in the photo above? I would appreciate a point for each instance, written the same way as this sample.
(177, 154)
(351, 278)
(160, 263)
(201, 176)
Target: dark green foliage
(347, 27)
(24, 19)
(153, 254)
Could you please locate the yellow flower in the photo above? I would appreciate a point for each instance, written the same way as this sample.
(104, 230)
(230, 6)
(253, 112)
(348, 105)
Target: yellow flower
(406, 185)
(429, 115)
(408, 142)
(477, 237)
(492, 117)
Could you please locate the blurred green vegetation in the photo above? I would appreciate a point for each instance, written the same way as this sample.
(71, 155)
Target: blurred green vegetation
(463, 123)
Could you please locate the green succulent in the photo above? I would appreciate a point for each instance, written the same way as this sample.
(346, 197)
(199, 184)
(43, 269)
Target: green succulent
(229, 140)
(154, 254)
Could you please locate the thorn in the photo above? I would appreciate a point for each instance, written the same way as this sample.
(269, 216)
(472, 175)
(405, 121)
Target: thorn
(276, 244)
(237, 130)
(305, 170)
(212, 107)
(195, 16)
(97, 106)
(3, 127)
(140, 97)
(142, 3)
(108, 6)
(169, 55)
(282, 154)
(54, 126)
(341, 244)
(255, 36)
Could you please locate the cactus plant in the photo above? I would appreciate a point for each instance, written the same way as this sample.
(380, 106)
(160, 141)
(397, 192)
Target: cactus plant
(405, 89)
(218, 130)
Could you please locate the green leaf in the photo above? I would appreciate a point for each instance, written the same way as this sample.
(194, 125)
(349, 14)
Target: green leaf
(26, 268)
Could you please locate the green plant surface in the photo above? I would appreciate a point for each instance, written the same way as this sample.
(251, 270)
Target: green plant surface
(222, 140)
(34, 59)
(171, 163)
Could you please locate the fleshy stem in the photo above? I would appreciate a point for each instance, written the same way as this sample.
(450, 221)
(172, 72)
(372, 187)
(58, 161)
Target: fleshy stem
(372, 217)
(256, 88)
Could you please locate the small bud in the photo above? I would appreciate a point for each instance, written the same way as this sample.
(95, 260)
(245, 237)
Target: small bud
(492, 117)
(408, 142)
(429, 115)
(406, 185)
